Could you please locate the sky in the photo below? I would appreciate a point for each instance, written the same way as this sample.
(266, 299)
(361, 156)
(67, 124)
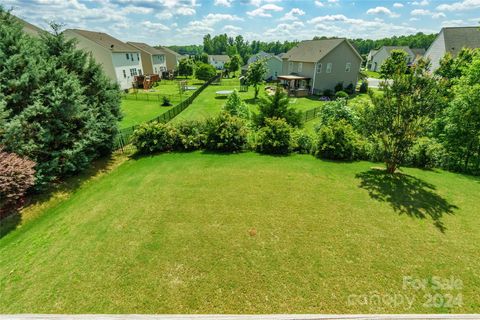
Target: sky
(182, 22)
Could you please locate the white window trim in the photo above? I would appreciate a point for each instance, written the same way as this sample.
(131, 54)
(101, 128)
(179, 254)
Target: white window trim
(300, 67)
(329, 67)
(348, 67)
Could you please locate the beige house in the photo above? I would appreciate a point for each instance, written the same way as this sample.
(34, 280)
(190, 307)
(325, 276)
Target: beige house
(120, 61)
(452, 40)
(172, 58)
(317, 65)
(153, 59)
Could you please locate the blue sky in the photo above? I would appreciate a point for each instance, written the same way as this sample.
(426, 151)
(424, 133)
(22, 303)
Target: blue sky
(170, 22)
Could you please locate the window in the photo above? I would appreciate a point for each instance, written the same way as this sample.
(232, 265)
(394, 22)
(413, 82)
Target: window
(138, 57)
(329, 67)
(348, 67)
(131, 72)
(133, 59)
(140, 71)
(128, 57)
(124, 74)
(290, 67)
(319, 68)
(300, 67)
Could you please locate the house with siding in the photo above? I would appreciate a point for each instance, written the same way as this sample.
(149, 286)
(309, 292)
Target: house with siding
(120, 61)
(273, 63)
(319, 65)
(378, 58)
(153, 59)
(218, 60)
(172, 58)
(452, 40)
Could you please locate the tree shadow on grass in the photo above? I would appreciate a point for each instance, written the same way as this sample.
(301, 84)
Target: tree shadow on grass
(10, 222)
(407, 195)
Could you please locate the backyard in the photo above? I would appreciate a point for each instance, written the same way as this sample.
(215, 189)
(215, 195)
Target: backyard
(242, 233)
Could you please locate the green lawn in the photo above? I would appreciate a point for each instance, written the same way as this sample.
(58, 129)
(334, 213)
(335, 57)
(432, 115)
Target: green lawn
(208, 104)
(244, 233)
(139, 111)
(372, 74)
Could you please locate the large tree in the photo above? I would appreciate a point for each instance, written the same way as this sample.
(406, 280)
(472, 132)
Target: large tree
(186, 67)
(403, 111)
(59, 109)
(205, 71)
(235, 62)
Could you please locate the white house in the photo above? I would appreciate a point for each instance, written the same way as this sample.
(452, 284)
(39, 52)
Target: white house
(153, 59)
(218, 61)
(120, 61)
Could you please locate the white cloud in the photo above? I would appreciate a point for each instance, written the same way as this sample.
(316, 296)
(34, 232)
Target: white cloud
(421, 3)
(454, 23)
(293, 14)
(232, 29)
(224, 3)
(154, 26)
(382, 11)
(258, 3)
(398, 5)
(264, 10)
(424, 12)
(460, 6)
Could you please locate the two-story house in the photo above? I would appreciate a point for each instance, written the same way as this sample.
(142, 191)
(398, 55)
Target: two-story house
(319, 65)
(120, 61)
(218, 60)
(153, 59)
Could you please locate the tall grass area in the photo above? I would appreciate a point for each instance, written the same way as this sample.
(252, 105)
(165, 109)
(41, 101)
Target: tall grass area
(244, 233)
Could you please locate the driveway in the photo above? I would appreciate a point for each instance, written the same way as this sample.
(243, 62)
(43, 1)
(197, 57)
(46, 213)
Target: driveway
(375, 83)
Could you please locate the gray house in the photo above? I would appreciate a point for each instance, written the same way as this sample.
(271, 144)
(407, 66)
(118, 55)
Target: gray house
(382, 54)
(273, 64)
(452, 40)
(317, 65)
(172, 58)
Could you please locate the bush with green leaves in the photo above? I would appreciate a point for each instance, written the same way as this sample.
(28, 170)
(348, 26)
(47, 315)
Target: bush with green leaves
(63, 111)
(363, 87)
(226, 133)
(302, 142)
(338, 87)
(350, 89)
(17, 175)
(337, 110)
(166, 101)
(341, 95)
(277, 106)
(205, 71)
(154, 137)
(275, 137)
(236, 107)
(426, 153)
(190, 135)
(337, 141)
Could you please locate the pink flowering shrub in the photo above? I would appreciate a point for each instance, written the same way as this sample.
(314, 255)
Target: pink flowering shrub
(17, 175)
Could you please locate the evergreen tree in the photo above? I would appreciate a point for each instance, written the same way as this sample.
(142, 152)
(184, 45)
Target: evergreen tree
(277, 106)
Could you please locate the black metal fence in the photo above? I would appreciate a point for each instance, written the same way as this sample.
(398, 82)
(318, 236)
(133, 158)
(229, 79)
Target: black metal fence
(150, 96)
(122, 142)
(311, 114)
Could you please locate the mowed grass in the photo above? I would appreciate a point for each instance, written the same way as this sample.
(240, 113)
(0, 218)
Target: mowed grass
(209, 104)
(245, 233)
(139, 111)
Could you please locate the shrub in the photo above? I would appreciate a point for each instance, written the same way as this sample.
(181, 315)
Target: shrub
(236, 107)
(274, 137)
(341, 95)
(277, 106)
(166, 102)
(337, 141)
(335, 111)
(190, 135)
(226, 133)
(328, 93)
(154, 137)
(426, 153)
(364, 87)
(302, 142)
(17, 175)
(339, 87)
(350, 89)
(205, 72)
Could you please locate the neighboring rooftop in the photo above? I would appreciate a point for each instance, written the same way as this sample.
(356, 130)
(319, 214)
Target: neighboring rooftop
(219, 57)
(105, 40)
(145, 47)
(457, 38)
(418, 51)
(314, 50)
(170, 51)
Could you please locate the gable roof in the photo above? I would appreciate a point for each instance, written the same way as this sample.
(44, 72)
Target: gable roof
(418, 51)
(258, 56)
(315, 50)
(457, 38)
(145, 47)
(169, 51)
(28, 28)
(105, 40)
(219, 57)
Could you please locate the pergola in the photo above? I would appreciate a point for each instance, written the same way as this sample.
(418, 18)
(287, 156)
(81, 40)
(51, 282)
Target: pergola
(297, 86)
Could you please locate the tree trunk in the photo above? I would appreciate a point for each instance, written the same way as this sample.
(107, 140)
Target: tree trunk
(391, 167)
